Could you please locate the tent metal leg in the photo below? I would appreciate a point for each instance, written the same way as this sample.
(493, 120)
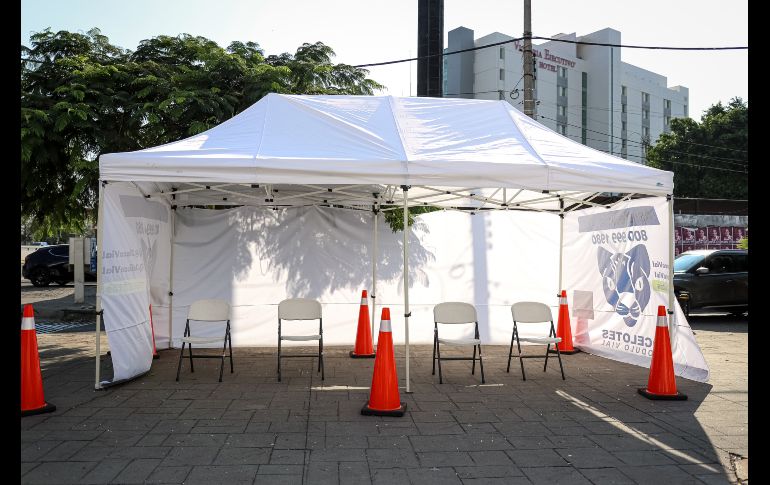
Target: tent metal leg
(99, 251)
(406, 285)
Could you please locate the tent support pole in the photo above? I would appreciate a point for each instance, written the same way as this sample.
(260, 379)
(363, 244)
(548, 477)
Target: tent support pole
(171, 282)
(671, 296)
(407, 314)
(99, 249)
(561, 242)
(375, 214)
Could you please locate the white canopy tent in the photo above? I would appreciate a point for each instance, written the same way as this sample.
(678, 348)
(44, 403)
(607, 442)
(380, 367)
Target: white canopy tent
(375, 154)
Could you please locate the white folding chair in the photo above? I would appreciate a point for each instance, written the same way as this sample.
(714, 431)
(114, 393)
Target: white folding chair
(207, 312)
(533, 312)
(301, 309)
(455, 313)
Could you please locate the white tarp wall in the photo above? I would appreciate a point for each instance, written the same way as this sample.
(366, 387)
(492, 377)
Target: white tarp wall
(616, 271)
(135, 274)
(256, 257)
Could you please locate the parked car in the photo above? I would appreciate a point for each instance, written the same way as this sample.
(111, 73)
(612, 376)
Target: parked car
(712, 279)
(50, 264)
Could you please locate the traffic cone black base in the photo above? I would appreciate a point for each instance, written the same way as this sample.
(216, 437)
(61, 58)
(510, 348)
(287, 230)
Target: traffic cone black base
(156, 357)
(367, 411)
(565, 352)
(361, 356)
(662, 397)
(48, 408)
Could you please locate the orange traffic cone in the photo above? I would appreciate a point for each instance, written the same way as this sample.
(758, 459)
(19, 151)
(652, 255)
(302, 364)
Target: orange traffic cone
(364, 348)
(384, 399)
(32, 399)
(564, 328)
(155, 354)
(662, 383)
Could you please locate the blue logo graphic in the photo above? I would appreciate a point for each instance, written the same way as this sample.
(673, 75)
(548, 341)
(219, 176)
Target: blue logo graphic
(625, 280)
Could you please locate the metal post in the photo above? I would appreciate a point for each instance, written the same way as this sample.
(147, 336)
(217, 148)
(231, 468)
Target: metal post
(671, 297)
(529, 81)
(99, 252)
(171, 282)
(561, 242)
(407, 314)
(375, 214)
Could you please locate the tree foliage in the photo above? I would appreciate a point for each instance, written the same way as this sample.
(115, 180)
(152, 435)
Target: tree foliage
(709, 159)
(81, 96)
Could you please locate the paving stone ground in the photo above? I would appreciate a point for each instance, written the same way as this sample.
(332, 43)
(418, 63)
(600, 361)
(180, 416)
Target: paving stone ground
(592, 428)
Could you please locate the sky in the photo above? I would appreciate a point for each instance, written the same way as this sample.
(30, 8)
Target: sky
(362, 32)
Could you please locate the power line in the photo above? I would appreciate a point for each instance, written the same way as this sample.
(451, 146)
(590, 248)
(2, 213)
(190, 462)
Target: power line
(443, 54)
(666, 161)
(725, 160)
(721, 159)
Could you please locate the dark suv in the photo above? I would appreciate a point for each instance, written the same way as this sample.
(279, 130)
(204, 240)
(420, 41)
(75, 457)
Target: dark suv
(50, 264)
(713, 279)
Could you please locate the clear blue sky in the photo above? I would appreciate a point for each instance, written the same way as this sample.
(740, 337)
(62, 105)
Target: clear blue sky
(367, 31)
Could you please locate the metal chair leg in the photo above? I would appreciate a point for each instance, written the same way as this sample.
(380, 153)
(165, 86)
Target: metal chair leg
(230, 340)
(222, 361)
(510, 352)
(473, 366)
(558, 354)
(179, 366)
(547, 351)
(189, 349)
(323, 369)
(521, 360)
(481, 366)
(438, 352)
(435, 342)
(279, 360)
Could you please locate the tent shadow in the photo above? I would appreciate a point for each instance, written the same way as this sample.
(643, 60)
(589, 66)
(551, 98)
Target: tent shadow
(318, 251)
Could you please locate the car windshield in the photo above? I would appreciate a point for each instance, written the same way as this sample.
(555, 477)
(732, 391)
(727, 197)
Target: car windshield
(686, 262)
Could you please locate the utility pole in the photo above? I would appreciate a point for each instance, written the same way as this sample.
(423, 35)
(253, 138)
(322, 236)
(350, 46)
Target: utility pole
(529, 78)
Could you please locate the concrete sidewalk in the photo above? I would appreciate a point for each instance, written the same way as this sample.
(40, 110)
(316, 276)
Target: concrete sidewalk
(591, 428)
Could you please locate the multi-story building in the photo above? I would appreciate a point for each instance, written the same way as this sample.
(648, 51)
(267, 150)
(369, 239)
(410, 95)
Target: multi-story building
(584, 92)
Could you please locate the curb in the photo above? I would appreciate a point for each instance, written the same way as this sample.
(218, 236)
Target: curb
(66, 314)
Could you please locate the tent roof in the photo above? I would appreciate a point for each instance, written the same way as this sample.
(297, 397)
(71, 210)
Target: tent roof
(382, 141)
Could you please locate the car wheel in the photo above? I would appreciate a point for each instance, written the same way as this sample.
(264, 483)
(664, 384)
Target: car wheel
(40, 277)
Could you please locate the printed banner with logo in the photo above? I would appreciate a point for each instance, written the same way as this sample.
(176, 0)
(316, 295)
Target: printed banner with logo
(134, 273)
(616, 270)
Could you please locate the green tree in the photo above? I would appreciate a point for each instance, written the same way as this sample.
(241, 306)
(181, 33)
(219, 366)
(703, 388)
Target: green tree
(82, 96)
(709, 159)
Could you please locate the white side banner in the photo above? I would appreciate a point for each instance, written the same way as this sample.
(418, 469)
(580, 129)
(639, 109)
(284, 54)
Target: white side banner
(135, 241)
(616, 271)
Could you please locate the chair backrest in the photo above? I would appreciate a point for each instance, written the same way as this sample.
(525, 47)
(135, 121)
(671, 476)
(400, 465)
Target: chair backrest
(299, 309)
(209, 310)
(454, 312)
(531, 312)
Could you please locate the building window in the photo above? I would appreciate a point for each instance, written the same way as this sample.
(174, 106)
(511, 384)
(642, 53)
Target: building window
(501, 94)
(685, 111)
(624, 125)
(561, 128)
(623, 145)
(562, 71)
(502, 74)
(502, 53)
(623, 91)
(623, 108)
(645, 114)
(645, 97)
(646, 132)
(562, 110)
(667, 120)
(667, 104)
(562, 90)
